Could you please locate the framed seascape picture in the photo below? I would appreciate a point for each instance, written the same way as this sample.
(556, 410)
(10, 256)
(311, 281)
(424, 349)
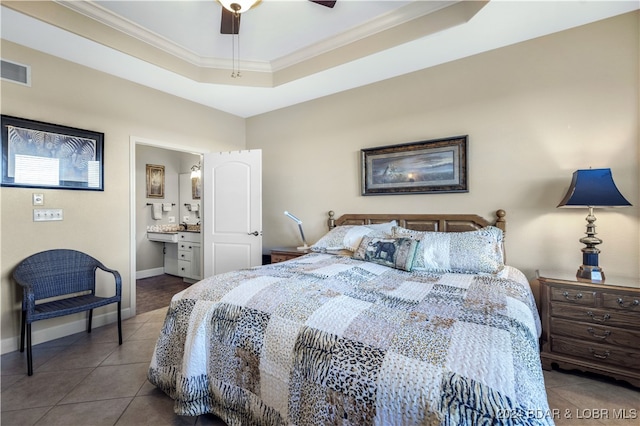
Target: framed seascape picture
(438, 165)
(155, 181)
(44, 155)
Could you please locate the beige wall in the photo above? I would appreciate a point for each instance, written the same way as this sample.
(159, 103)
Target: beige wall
(95, 222)
(534, 112)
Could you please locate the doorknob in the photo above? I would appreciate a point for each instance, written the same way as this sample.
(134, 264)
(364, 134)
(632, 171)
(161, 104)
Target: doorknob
(254, 233)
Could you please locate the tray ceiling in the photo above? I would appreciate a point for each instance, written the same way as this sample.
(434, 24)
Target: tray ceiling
(290, 51)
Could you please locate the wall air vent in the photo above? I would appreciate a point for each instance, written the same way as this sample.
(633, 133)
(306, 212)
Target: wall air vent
(13, 71)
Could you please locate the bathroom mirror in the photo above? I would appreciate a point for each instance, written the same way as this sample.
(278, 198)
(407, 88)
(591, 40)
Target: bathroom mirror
(190, 207)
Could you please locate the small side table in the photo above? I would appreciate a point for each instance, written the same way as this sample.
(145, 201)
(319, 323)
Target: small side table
(280, 254)
(591, 326)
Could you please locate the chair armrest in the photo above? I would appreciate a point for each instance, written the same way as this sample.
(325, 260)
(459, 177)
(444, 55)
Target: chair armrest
(117, 277)
(28, 299)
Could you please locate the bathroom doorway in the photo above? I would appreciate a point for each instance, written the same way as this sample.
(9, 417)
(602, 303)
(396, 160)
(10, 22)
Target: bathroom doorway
(147, 257)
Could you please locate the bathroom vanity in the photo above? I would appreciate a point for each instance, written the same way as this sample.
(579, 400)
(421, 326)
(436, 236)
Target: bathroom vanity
(184, 258)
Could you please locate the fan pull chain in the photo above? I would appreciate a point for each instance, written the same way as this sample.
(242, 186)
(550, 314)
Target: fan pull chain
(238, 67)
(233, 56)
(235, 65)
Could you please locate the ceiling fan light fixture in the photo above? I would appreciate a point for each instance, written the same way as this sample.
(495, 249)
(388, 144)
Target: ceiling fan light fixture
(238, 6)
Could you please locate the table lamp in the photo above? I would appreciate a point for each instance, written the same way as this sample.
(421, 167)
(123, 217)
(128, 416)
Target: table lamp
(592, 188)
(299, 222)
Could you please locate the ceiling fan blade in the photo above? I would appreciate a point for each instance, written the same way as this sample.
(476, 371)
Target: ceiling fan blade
(324, 3)
(229, 22)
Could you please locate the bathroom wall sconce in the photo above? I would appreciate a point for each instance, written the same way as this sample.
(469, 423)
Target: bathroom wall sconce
(299, 222)
(195, 171)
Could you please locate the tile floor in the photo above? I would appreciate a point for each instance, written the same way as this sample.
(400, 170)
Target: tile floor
(87, 379)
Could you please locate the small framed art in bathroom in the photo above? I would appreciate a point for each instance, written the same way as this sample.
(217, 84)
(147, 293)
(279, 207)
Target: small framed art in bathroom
(155, 181)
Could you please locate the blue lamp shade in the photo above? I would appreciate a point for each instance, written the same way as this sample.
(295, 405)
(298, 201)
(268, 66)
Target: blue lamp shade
(593, 188)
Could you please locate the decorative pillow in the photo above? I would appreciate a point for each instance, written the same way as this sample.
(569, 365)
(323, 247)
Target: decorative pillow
(395, 253)
(469, 252)
(347, 237)
(386, 227)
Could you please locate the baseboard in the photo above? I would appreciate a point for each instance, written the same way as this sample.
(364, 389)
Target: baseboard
(149, 273)
(41, 335)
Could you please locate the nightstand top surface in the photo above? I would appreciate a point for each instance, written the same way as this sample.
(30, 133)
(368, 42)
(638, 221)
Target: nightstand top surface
(290, 250)
(568, 276)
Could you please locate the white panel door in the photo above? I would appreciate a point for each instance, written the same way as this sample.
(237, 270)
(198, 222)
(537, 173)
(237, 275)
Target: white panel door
(232, 196)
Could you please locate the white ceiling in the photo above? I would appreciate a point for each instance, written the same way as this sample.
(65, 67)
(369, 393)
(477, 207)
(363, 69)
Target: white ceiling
(291, 51)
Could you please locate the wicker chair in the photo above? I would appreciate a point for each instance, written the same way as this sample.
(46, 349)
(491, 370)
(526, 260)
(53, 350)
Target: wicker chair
(55, 274)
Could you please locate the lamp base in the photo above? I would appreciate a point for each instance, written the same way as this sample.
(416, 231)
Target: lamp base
(589, 273)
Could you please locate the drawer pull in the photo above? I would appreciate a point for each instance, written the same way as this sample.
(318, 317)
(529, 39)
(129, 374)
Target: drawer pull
(604, 355)
(602, 336)
(576, 297)
(636, 302)
(596, 319)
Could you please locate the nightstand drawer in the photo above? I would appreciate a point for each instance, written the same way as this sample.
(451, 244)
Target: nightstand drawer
(282, 254)
(618, 356)
(603, 334)
(578, 296)
(618, 301)
(594, 315)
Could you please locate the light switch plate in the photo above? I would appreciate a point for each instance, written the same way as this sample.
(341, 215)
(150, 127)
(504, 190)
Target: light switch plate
(38, 199)
(46, 215)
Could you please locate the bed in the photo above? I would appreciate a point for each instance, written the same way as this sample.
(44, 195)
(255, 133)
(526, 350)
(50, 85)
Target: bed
(392, 320)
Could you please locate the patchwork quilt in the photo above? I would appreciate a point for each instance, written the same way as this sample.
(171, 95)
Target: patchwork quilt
(327, 339)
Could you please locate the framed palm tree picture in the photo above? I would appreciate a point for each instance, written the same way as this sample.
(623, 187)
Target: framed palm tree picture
(36, 154)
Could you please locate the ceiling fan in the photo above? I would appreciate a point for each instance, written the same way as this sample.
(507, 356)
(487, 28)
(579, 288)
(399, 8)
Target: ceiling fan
(232, 9)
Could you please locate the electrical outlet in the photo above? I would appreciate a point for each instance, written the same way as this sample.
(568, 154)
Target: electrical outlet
(185, 219)
(172, 219)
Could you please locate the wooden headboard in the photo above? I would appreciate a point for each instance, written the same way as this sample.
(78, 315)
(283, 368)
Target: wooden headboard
(424, 222)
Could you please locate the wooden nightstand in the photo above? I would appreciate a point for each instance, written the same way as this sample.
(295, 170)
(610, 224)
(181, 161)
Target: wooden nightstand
(591, 327)
(280, 254)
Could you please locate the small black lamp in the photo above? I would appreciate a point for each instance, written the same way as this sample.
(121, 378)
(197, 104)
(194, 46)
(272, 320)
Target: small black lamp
(592, 188)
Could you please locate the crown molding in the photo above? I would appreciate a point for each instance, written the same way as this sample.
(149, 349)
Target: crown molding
(389, 20)
(412, 11)
(88, 19)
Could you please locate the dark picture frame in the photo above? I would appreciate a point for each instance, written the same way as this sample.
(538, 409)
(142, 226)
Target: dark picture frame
(155, 181)
(36, 154)
(432, 166)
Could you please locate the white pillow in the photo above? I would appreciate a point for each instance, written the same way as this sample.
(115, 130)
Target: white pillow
(348, 237)
(470, 252)
(386, 227)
